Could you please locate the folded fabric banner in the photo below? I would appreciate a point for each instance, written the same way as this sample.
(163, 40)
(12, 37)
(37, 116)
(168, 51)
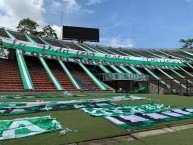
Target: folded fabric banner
(10, 108)
(13, 108)
(139, 120)
(123, 98)
(63, 95)
(23, 127)
(66, 94)
(116, 110)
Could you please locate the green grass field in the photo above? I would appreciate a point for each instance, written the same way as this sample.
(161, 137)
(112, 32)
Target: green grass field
(175, 138)
(87, 127)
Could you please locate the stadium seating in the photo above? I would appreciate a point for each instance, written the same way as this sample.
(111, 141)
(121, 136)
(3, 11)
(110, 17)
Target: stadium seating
(41, 81)
(10, 79)
(60, 75)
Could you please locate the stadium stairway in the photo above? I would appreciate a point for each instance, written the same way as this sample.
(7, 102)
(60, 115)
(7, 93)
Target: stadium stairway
(84, 80)
(85, 86)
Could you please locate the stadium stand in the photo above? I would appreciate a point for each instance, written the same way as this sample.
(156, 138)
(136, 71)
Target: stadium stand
(52, 75)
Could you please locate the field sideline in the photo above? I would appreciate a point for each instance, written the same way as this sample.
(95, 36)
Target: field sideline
(87, 127)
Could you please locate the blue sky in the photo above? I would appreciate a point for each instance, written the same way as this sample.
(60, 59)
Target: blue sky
(124, 23)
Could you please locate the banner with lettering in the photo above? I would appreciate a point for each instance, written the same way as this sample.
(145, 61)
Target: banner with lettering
(123, 76)
(85, 57)
(142, 120)
(13, 108)
(116, 110)
(22, 127)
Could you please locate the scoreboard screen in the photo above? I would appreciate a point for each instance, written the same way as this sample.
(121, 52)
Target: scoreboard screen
(80, 33)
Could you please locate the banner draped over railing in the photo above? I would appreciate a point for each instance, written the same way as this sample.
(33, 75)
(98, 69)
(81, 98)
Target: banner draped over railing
(91, 58)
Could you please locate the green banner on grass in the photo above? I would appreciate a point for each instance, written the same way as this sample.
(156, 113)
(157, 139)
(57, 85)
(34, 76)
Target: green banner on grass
(12, 108)
(23, 127)
(142, 120)
(117, 110)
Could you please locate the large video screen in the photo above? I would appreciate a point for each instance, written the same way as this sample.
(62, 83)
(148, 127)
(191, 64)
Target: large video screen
(80, 33)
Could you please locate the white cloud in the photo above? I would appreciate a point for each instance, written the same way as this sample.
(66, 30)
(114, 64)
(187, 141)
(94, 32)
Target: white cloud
(118, 41)
(88, 11)
(58, 31)
(12, 11)
(115, 24)
(92, 2)
(56, 4)
(71, 6)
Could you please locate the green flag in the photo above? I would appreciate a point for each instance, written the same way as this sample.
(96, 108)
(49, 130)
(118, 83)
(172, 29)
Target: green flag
(23, 127)
(116, 110)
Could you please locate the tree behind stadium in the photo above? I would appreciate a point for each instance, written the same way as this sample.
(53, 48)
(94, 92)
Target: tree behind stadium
(30, 27)
(187, 43)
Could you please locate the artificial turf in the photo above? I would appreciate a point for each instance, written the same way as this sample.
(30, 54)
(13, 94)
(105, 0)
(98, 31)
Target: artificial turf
(174, 138)
(84, 126)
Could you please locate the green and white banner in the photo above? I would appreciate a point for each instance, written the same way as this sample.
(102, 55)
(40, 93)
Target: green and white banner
(85, 57)
(142, 120)
(64, 95)
(123, 76)
(120, 98)
(13, 108)
(125, 110)
(22, 127)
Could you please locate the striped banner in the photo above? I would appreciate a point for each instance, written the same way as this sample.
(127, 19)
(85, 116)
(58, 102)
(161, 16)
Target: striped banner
(142, 120)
